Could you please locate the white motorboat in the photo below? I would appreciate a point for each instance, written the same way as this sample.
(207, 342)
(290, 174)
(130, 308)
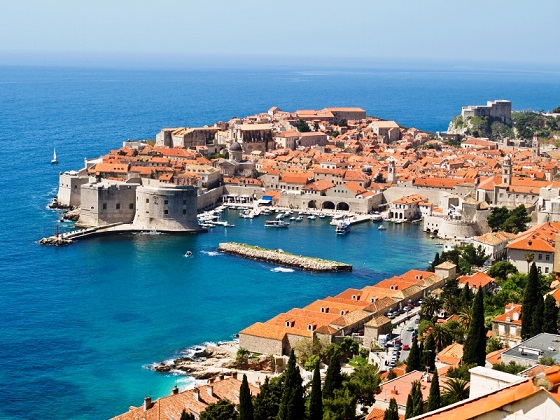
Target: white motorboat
(382, 227)
(342, 228)
(276, 224)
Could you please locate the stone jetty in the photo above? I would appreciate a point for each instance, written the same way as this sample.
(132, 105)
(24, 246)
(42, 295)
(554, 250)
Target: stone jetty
(280, 257)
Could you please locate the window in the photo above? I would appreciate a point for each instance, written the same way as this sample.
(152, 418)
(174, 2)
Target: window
(184, 201)
(540, 257)
(184, 212)
(104, 206)
(118, 206)
(546, 270)
(147, 200)
(166, 212)
(165, 201)
(501, 329)
(513, 330)
(131, 206)
(547, 257)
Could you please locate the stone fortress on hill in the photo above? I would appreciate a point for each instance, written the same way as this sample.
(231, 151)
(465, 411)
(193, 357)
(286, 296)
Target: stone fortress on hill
(333, 160)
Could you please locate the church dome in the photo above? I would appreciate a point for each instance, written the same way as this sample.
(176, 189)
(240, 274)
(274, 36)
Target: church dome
(235, 146)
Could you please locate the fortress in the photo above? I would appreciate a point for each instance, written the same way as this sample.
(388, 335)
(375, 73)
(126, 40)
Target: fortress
(499, 109)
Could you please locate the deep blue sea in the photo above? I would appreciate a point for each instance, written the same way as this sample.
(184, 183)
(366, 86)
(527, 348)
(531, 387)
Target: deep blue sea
(80, 324)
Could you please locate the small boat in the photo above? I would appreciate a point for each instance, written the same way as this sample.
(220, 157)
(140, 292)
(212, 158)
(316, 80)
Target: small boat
(342, 228)
(398, 221)
(292, 218)
(299, 218)
(382, 227)
(311, 217)
(276, 224)
(322, 215)
(54, 160)
(188, 254)
(376, 217)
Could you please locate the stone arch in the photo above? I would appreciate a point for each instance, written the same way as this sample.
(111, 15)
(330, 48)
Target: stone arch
(312, 204)
(328, 205)
(342, 206)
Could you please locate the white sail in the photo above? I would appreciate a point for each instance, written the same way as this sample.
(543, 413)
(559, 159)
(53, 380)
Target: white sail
(54, 159)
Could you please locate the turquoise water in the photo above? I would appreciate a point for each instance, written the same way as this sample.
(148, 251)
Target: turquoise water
(80, 324)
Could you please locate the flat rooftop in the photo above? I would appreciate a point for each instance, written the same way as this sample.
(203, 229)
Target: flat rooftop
(542, 345)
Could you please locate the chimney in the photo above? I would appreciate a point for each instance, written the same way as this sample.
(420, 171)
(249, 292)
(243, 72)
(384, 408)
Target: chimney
(175, 390)
(147, 403)
(395, 391)
(196, 394)
(211, 390)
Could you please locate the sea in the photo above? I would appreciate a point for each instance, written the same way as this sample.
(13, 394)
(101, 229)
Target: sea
(81, 325)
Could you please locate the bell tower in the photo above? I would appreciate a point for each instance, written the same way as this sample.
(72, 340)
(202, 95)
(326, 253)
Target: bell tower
(506, 170)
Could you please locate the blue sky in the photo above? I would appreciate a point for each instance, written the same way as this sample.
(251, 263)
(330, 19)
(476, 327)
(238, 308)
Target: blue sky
(490, 30)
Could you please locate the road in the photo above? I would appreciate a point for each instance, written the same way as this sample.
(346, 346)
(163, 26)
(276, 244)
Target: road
(400, 324)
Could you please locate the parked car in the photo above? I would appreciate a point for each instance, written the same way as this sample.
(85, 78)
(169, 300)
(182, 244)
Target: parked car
(410, 328)
(397, 340)
(406, 347)
(393, 363)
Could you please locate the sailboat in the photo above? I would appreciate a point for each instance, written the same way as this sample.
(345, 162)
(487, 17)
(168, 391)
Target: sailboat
(54, 160)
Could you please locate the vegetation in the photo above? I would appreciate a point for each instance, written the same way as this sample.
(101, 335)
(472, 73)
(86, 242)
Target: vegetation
(221, 410)
(333, 379)
(501, 270)
(550, 324)
(511, 367)
(547, 360)
(186, 416)
(267, 402)
(531, 298)
(434, 399)
(529, 123)
(474, 350)
(512, 221)
(316, 397)
(493, 344)
(245, 402)
(292, 403)
(392, 413)
(464, 258)
(460, 372)
(302, 126)
(413, 362)
(455, 390)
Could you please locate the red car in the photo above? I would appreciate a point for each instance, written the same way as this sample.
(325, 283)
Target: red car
(406, 347)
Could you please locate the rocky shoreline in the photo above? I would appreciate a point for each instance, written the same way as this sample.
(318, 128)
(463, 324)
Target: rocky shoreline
(283, 258)
(203, 362)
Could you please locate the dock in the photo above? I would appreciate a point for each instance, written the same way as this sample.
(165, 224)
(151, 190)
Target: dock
(280, 257)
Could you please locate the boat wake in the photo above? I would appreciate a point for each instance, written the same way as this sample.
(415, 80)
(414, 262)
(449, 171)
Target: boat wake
(282, 270)
(211, 253)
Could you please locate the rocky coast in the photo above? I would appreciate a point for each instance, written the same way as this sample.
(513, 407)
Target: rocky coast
(280, 257)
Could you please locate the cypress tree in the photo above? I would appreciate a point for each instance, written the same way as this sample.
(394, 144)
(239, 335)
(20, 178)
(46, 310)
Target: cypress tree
(474, 350)
(466, 295)
(245, 402)
(413, 362)
(530, 300)
(430, 353)
(292, 403)
(417, 400)
(392, 413)
(333, 378)
(422, 356)
(538, 320)
(434, 399)
(316, 397)
(550, 315)
(409, 407)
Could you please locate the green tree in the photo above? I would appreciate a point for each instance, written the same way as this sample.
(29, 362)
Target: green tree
(342, 406)
(517, 220)
(220, 410)
(466, 295)
(455, 390)
(431, 305)
(460, 372)
(414, 357)
(364, 383)
(409, 407)
(547, 361)
(349, 348)
(186, 416)
(474, 350)
(511, 367)
(417, 399)
(550, 315)
(538, 317)
(333, 378)
(316, 397)
(497, 217)
(501, 270)
(430, 353)
(434, 399)
(441, 336)
(267, 401)
(245, 401)
(530, 300)
(302, 126)
(493, 344)
(391, 375)
(292, 403)
(392, 413)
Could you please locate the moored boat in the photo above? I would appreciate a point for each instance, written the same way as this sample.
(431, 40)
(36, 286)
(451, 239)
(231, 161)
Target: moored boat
(276, 224)
(382, 227)
(342, 228)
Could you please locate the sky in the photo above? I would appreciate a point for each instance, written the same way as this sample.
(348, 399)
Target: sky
(500, 31)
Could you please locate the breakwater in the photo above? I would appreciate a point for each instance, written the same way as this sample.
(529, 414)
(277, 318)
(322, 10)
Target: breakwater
(280, 257)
